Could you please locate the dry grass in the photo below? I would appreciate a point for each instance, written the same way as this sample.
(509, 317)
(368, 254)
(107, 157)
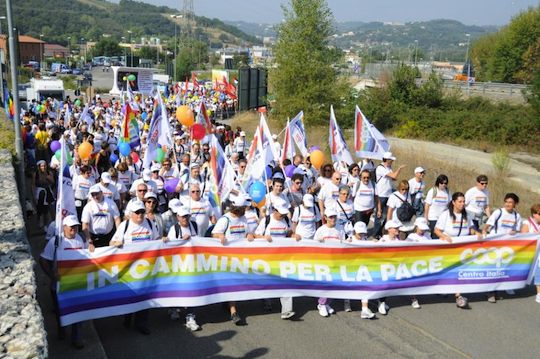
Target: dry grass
(460, 178)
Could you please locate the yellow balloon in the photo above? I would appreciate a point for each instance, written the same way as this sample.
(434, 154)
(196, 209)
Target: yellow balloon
(85, 150)
(317, 158)
(185, 116)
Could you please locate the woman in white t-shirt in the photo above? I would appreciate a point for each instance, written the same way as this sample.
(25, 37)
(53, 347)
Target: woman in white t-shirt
(305, 219)
(395, 201)
(344, 208)
(366, 200)
(453, 222)
(532, 225)
(436, 202)
(420, 232)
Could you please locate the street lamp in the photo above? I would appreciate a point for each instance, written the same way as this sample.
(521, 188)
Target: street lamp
(175, 44)
(468, 64)
(69, 50)
(41, 52)
(125, 54)
(131, 50)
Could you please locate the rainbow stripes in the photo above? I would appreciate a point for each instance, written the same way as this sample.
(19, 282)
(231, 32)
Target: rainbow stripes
(154, 274)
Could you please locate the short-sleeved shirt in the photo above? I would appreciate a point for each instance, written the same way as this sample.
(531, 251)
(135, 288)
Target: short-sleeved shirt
(329, 193)
(201, 211)
(81, 186)
(100, 216)
(416, 189)
(65, 244)
(306, 219)
(345, 213)
(438, 202)
(233, 227)
(501, 221)
(136, 232)
(325, 233)
(476, 201)
(454, 227)
(110, 191)
(276, 228)
(364, 199)
(252, 219)
(384, 183)
(395, 201)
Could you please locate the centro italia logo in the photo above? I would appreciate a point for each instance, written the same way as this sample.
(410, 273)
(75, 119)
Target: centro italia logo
(493, 255)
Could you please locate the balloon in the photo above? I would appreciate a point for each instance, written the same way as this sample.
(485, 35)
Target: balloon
(144, 115)
(198, 131)
(69, 158)
(160, 155)
(114, 158)
(55, 146)
(170, 185)
(85, 150)
(43, 109)
(131, 77)
(289, 170)
(58, 154)
(124, 148)
(257, 191)
(314, 148)
(124, 78)
(77, 102)
(135, 156)
(268, 171)
(185, 116)
(317, 158)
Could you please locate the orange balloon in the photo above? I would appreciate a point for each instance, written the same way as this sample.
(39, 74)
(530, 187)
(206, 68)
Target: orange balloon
(185, 116)
(85, 150)
(317, 158)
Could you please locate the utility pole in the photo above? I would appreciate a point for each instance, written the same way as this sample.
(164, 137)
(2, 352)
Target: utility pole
(17, 117)
(175, 18)
(131, 50)
(468, 64)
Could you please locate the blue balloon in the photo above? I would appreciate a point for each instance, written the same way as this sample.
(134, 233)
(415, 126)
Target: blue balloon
(257, 191)
(144, 115)
(114, 158)
(124, 148)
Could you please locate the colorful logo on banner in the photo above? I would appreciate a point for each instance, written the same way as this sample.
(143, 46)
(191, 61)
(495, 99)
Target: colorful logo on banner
(149, 274)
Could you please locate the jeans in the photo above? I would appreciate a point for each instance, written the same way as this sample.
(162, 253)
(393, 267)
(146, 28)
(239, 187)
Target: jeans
(379, 222)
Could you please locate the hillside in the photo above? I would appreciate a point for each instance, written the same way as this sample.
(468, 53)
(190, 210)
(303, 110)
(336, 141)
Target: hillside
(90, 19)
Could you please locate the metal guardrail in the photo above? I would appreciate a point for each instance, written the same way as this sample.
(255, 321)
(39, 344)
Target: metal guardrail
(487, 87)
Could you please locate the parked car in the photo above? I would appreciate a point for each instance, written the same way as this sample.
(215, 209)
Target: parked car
(66, 71)
(77, 71)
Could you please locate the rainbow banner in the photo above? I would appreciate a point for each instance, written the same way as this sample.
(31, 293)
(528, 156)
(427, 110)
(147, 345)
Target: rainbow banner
(113, 281)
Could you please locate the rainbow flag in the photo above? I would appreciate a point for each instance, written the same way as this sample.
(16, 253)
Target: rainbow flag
(8, 104)
(114, 281)
(130, 127)
(368, 141)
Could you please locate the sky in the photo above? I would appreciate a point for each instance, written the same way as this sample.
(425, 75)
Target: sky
(470, 12)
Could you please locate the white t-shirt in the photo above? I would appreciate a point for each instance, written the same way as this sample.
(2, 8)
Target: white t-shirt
(232, 227)
(171, 173)
(172, 235)
(345, 213)
(325, 233)
(110, 191)
(201, 211)
(387, 238)
(252, 219)
(502, 222)
(437, 204)
(136, 232)
(306, 219)
(329, 194)
(364, 198)
(476, 201)
(100, 216)
(240, 145)
(415, 237)
(65, 244)
(416, 189)
(81, 186)
(126, 178)
(384, 183)
(452, 227)
(395, 201)
(276, 228)
(272, 198)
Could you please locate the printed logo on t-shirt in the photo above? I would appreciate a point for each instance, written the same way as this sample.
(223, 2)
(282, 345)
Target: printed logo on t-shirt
(365, 192)
(237, 229)
(141, 235)
(508, 223)
(277, 231)
(307, 218)
(195, 211)
(102, 212)
(440, 200)
(480, 201)
(331, 237)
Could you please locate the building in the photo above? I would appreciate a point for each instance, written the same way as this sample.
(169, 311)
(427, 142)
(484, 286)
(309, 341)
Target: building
(56, 51)
(30, 49)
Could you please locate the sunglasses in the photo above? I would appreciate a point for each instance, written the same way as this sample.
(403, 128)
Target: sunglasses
(151, 201)
(142, 190)
(298, 182)
(140, 211)
(195, 191)
(484, 183)
(367, 177)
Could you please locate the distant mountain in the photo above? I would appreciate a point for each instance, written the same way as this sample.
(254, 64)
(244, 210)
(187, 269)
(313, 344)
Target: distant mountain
(259, 30)
(90, 19)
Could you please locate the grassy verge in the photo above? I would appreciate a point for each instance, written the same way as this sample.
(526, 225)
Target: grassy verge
(7, 133)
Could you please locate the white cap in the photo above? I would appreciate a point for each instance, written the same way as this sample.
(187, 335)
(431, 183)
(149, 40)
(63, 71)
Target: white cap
(281, 208)
(240, 201)
(360, 227)
(146, 175)
(95, 189)
(329, 212)
(155, 167)
(174, 205)
(71, 220)
(194, 165)
(308, 200)
(421, 223)
(274, 136)
(150, 195)
(392, 224)
(388, 156)
(183, 211)
(419, 170)
(106, 177)
(242, 133)
(136, 206)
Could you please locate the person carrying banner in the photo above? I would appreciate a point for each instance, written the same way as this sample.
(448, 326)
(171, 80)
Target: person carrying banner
(532, 225)
(136, 229)
(100, 217)
(306, 219)
(68, 240)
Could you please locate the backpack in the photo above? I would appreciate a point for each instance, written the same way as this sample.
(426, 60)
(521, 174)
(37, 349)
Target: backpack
(267, 222)
(178, 229)
(406, 211)
(208, 232)
(496, 224)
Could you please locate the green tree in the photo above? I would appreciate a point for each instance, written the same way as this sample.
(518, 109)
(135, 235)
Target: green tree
(147, 52)
(193, 54)
(240, 60)
(107, 47)
(304, 78)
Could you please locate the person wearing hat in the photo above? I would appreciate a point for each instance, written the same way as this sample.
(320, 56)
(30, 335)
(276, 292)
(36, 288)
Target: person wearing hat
(100, 216)
(416, 190)
(145, 179)
(240, 145)
(108, 189)
(328, 232)
(169, 216)
(81, 184)
(306, 218)
(137, 228)
(420, 232)
(384, 175)
(68, 240)
(152, 213)
(233, 226)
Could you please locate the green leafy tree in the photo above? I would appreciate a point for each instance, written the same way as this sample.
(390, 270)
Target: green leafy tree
(193, 54)
(147, 52)
(304, 78)
(107, 47)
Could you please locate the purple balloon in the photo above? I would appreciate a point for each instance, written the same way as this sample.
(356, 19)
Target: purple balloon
(314, 148)
(170, 185)
(289, 170)
(55, 146)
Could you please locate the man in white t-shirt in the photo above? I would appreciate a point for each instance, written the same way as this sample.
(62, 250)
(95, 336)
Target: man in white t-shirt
(109, 190)
(505, 220)
(99, 218)
(384, 175)
(416, 190)
(477, 201)
(329, 192)
(201, 211)
(276, 195)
